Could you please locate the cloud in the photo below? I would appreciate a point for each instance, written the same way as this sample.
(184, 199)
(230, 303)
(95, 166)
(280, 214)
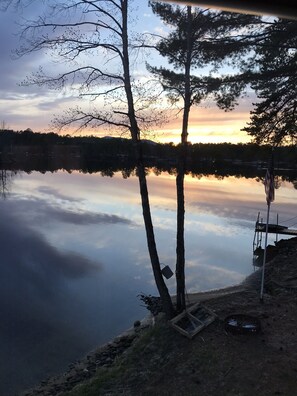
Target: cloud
(35, 106)
(206, 277)
(40, 211)
(13, 70)
(84, 217)
(233, 209)
(54, 103)
(38, 308)
(39, 262)
(33, 274)
(56, 194)
(22, 106)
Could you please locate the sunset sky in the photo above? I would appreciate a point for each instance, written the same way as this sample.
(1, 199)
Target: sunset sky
(34, 107)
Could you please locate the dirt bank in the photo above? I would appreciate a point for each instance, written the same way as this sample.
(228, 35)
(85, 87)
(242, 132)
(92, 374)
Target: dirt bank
(160, 361)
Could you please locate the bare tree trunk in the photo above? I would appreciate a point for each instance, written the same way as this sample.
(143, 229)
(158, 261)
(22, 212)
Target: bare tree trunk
(180, 239)
(162, 288)
(160, 283)
(180, 242)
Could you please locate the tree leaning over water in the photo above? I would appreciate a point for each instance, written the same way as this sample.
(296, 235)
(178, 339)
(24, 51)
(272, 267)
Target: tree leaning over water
(92, 39)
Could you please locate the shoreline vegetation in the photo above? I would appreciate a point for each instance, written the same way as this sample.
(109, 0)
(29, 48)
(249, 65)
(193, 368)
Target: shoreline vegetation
(153, 359)
(109, 156)
(30, 150)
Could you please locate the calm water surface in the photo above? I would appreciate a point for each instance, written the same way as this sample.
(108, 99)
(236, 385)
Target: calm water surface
(74, 258)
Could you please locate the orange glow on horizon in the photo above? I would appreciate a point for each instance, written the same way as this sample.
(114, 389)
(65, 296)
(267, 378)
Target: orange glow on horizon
(207, 125)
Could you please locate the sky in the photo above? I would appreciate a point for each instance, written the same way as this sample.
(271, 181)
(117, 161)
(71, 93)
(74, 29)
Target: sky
(35, 107)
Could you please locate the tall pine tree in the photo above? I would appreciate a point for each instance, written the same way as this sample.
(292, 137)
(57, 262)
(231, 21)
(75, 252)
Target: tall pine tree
(273, 75)
(190, 47)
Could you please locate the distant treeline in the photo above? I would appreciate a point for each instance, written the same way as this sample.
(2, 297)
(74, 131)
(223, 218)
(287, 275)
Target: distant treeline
(19, 145)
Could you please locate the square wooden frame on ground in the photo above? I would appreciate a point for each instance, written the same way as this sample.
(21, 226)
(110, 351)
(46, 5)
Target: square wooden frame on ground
(193, 320)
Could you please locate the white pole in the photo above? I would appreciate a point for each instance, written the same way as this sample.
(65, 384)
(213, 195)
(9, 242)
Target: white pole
(276, 228)
(264, 258)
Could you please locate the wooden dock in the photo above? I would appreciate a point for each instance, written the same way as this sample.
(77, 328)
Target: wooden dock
(275, 229)
(260, 230)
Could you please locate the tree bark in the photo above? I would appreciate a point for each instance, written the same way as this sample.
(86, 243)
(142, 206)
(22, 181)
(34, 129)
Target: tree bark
(180, 238)
(134, 129)
(162, 288)
(180, 242)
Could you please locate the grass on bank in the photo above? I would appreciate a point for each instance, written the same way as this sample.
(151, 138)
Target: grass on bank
(158, 352)
(123, 367)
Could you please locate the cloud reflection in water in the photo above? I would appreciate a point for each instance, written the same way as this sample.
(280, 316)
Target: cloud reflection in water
(35, 300)
(48, 296)
(75, 257)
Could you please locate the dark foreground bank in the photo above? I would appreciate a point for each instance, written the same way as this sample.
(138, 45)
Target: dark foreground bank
(157, 360)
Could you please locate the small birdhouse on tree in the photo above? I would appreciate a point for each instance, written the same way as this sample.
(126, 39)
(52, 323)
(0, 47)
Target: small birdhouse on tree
(166, 272)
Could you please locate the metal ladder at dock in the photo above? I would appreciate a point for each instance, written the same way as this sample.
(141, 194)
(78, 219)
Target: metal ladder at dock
(260, 228)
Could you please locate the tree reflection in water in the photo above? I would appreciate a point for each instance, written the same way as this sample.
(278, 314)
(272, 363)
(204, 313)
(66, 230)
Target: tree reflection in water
(6, 178)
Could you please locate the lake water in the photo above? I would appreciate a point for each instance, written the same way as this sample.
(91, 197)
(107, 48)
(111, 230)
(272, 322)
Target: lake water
(74, 257)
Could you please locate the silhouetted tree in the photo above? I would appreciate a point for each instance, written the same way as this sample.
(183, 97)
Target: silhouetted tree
(274, 78)
(94, 41)
(187, 49)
